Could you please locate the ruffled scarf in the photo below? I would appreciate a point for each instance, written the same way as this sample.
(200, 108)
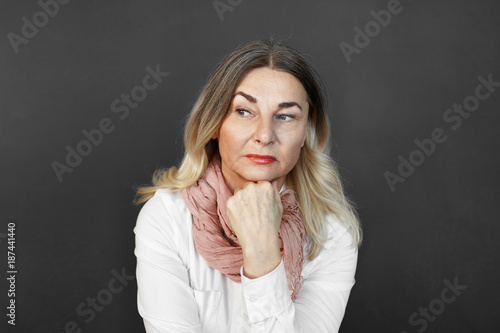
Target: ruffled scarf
(216, 241)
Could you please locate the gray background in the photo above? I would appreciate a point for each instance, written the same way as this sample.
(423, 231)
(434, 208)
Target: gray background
(441, 223)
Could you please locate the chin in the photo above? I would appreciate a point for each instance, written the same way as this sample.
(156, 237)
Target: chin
(261, 176)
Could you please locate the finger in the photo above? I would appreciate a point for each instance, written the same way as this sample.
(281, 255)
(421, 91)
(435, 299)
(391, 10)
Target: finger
(250, 184)
(275, 185)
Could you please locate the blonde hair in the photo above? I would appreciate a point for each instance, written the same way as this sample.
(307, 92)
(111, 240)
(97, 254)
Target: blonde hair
(314, 178)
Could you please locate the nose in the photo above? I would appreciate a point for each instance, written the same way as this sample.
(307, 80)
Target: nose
(264, 132)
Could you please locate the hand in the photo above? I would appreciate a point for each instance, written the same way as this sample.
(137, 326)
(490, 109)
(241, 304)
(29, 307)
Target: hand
(255, 214)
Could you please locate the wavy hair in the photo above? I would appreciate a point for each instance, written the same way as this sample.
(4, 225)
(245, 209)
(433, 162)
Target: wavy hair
(315, 178)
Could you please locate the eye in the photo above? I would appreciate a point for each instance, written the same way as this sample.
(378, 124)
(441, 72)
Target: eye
(242, 112)
(286, 117)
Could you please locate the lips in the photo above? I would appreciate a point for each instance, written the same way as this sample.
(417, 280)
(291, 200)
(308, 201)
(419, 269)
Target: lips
(261, 159)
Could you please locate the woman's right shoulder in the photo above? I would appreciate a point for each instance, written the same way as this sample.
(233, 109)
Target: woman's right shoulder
(166, 213)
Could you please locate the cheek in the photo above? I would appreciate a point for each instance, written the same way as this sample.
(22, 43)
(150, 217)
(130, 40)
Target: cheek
(294, 144)
(223, 146)
(228, 141)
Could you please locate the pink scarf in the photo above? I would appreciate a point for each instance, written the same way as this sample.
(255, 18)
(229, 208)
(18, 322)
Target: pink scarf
(214, 237)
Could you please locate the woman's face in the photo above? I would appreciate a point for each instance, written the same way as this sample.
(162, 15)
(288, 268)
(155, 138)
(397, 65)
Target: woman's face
(264, 129)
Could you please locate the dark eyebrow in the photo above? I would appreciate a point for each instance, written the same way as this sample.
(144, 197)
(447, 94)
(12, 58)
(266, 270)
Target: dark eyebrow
(249, 97)
(283, 105)
(288, 105)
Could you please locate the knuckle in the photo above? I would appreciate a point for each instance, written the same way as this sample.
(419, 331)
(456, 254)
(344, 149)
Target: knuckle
(249, 185)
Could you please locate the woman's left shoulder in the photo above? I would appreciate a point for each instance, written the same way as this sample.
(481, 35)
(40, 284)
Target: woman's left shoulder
(338, 235)
(338, 251)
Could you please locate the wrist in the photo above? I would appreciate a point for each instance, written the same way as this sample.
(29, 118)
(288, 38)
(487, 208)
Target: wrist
(261, 261)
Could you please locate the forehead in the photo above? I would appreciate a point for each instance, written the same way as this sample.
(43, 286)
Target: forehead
(272, 84)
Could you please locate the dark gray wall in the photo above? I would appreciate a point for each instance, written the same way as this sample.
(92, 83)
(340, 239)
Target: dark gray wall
(437, 225)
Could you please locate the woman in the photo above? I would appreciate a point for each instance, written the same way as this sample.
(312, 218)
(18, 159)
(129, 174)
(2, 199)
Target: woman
(252, 233)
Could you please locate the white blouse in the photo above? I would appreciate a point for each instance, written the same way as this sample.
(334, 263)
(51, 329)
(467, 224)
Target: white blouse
(179, 292)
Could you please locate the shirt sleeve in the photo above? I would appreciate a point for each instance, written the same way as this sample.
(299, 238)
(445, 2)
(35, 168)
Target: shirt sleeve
(321, 303)
(165, 300)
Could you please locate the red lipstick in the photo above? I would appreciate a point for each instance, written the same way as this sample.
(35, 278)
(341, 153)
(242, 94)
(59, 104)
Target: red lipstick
(261, 159)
